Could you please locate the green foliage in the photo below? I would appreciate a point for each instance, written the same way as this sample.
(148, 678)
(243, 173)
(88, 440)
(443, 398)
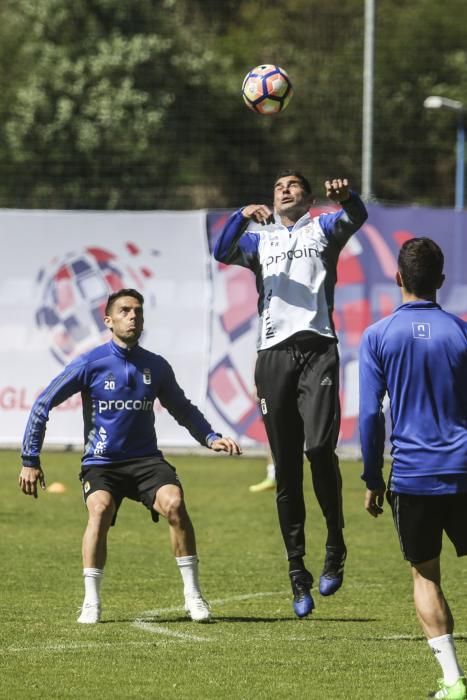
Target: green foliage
(363, 642)
(122, 104)
(421, 51)
(99, 83)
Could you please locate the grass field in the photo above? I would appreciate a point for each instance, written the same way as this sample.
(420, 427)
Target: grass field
(364, 642)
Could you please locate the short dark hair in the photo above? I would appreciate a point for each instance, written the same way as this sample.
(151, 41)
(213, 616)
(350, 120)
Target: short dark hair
(122, 293)
(294, 173)
(420, 265)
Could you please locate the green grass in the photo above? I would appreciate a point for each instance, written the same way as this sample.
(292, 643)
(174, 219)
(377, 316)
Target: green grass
(364, 642)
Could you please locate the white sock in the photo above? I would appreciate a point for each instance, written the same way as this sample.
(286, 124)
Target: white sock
(445, 652)
(271, 471)
(92, 585)
(189, 571)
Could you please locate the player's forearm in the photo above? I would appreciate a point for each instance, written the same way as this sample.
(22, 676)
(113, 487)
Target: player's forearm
(187, 414)
(372, 436)
(61, 388)
(34, 437)
(226, 248)
(353, 217)
(198, 426)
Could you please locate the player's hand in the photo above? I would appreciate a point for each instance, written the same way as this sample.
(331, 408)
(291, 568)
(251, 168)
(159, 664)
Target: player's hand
(337, 189)
(374, 501)
(226, 444)
(29, 477)
(259, 213)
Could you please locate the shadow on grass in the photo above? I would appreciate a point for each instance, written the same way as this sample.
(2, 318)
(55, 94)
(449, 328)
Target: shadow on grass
(156, 619)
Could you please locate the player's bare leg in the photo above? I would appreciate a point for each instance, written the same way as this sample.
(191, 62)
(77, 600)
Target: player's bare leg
(169, 503)
(101, 510)
(436, 619)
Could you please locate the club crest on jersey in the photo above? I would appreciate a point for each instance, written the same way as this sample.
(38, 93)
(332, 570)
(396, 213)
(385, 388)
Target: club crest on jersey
(109, 382)
(421, 330)
(147, 379)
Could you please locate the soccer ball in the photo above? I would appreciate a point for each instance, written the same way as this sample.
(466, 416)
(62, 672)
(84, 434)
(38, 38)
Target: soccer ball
(267, 89)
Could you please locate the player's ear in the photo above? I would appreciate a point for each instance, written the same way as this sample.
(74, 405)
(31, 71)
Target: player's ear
(399, 281)
(108, 322)
(441, 281)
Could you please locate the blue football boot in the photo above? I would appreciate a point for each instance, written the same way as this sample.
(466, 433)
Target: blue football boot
(333, 570)
(302, 582)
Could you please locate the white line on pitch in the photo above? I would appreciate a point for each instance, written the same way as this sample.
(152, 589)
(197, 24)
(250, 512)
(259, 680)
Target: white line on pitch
(70, 646)
(159, 629)
(415, 637)
(143, 624)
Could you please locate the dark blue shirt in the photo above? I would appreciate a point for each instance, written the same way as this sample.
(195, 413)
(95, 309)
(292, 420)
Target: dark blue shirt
(418, 355)
(119, 387)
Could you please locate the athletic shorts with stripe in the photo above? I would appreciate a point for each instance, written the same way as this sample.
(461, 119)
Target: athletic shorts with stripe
(421, 521)
(136, 479)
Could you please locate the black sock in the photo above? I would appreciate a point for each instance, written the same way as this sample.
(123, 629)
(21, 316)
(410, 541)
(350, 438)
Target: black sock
(335, 539)
(296, 564)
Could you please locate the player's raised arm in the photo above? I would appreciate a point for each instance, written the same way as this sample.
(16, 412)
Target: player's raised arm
(339, 226)
(260, 213)
(236, 245)
(337, 189)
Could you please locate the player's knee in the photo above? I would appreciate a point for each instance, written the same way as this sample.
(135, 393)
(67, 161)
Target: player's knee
(319, 453)
(174, 507)
(100, 510)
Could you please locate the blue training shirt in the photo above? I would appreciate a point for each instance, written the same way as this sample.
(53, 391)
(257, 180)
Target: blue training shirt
(418, 355)
(119, 387)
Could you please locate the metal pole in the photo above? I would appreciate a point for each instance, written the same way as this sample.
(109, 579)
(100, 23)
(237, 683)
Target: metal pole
(460, 166)
(368, 84)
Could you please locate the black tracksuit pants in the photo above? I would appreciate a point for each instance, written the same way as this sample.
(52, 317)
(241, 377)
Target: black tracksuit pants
(297, 383)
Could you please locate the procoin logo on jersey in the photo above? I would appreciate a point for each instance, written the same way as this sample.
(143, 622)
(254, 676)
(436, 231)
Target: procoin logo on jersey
(147, 376)
(421, 330)
(305, 252)
(128, 405)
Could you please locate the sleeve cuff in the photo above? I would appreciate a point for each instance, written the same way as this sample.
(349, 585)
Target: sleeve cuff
(211, 438)
(375, 485)
(32, 462)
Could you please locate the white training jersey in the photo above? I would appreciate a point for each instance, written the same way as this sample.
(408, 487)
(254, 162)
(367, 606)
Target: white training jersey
(295, 269)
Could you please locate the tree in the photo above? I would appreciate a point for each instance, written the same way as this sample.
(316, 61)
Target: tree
(124, 104)
(91, 123)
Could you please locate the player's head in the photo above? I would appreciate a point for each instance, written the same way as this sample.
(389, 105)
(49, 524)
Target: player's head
(420, 264)
(294, 174)
(292, 194)
(124, 316)
(122, 293)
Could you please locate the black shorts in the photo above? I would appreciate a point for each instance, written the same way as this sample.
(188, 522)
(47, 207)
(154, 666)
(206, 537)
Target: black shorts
(137, 479)
(421, 520)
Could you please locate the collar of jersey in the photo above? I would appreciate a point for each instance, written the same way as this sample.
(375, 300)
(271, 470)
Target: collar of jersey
(119, 351)
(302, 221)
(419, 305)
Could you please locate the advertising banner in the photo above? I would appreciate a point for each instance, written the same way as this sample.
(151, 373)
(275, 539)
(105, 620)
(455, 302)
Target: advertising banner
(57, 269)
